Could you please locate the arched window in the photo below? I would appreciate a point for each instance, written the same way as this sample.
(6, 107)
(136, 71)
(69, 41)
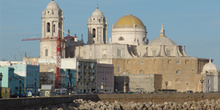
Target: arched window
(154, 52)
(121, 39)
(128, 72)
(93, 32)
(54, 28)
(48, 27)
(141, 72)
(59, 25)
(46, 52)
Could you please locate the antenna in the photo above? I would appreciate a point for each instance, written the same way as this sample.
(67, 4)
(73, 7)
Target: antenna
(81, 36)
(68, 32)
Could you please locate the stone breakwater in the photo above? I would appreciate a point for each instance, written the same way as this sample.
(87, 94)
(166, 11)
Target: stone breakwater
(80, 104)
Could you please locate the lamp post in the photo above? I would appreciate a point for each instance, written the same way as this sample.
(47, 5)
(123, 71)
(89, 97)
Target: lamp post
(1, 85)
(70, 76)
(19, 86)
(35, 84)
(202, 81)
(166, 83)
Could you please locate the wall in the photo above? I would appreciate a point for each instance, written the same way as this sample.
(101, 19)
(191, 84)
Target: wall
(159, 97)
(181, 73)
(68, 63)
(5, 71)
(104, 77)
(22, 103)
(137, 82)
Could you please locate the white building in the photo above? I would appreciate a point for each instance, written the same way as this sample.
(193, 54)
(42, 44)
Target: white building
(211, 76)
(128, 41)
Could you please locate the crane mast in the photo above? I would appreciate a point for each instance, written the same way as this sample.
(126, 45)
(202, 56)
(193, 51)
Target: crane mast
(58, 82)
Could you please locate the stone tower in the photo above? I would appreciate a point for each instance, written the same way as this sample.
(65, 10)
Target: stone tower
(52, 21)
(97, 28)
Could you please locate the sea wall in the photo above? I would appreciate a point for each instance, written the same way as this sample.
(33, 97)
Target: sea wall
(40, 102)
(158, 97)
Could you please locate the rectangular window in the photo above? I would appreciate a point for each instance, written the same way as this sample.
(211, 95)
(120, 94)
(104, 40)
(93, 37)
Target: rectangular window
(178, 62)
(142, 61)
(187, 62)
(119, 69)
(128, 62)
(46, 52)
(168, 53)
(119, 53)
(169, 61)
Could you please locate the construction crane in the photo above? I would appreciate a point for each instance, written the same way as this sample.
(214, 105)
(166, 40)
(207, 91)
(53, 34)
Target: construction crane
(58, 55)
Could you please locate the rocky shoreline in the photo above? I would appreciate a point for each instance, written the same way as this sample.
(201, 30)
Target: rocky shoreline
(80, 104)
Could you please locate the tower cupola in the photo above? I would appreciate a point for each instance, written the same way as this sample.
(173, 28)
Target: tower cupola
(97, 28)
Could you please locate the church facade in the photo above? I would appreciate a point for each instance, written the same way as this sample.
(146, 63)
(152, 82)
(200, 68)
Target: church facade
(128, 50)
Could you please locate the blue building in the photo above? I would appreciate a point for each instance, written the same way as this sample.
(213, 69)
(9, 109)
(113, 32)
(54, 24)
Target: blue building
(22, 79)
(31, 77)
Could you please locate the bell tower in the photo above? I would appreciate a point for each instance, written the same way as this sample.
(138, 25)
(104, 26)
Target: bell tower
(97, 28)
(52, 22)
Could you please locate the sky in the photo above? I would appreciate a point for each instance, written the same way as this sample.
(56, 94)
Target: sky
(192, 23)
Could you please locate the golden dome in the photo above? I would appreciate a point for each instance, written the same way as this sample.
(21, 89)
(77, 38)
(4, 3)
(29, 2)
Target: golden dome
(129, 21)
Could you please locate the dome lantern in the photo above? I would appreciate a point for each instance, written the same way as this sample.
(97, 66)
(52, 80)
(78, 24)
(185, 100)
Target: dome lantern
(162, 39)
(162, 32)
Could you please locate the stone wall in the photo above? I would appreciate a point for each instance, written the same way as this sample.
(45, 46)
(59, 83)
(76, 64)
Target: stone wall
(41, 102)
(181, 73)
(159, 97)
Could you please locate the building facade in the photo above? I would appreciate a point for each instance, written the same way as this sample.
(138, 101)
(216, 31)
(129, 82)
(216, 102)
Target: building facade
(181, 73)
(94, 77)
(104, 78)
(86, 72)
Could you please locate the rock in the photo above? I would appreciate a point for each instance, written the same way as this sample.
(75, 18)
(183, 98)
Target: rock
(60, 109)
(46, 108)
(166, 103)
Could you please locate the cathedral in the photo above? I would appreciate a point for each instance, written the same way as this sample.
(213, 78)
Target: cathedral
(130, 51)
